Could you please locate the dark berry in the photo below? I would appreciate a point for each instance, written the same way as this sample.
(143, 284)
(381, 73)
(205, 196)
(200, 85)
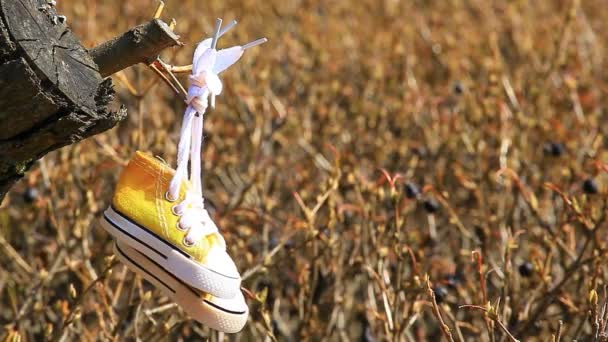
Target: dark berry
(323, 283)
(273, 241)
(554, 149)
(430, 242)
(411, 190)
(458, 88)
(431, 205)
(526, 269)
(394, 156)
(590, 186)
(397, 131)
(480, 232)
(419, 151)
(289, 245)
(30, 195)
(440, 293)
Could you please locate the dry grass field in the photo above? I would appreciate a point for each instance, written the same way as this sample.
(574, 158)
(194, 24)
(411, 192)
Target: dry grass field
(394, 170)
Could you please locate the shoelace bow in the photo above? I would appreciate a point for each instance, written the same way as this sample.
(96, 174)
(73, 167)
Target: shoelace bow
(206, 65)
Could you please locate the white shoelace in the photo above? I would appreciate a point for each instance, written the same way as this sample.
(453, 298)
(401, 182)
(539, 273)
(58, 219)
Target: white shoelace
(206, 65)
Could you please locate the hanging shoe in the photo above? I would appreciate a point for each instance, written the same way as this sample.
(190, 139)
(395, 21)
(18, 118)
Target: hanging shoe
(144, 216)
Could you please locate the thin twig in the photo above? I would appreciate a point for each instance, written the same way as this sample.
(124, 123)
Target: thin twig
(558, 335)
(164, 78)
(493, 316)
(445, 329)
(179, 85)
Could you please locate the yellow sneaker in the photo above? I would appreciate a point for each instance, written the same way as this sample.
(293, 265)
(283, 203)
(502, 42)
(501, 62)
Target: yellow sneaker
(226, 315)
(177, 234)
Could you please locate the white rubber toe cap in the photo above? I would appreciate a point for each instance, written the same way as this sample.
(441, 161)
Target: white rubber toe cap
(236, 304)
(220, 262)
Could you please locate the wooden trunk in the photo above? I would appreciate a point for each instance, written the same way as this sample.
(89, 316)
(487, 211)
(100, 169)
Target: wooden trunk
(51, 92)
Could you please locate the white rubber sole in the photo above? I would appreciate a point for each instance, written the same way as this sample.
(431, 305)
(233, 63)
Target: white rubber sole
(227, 315)
(169, 257)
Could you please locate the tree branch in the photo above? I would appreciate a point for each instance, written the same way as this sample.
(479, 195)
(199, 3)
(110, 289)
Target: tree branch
(139, 45)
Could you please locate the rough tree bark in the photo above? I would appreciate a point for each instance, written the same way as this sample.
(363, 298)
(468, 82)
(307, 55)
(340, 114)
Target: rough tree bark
(52, 92)
(133, 47)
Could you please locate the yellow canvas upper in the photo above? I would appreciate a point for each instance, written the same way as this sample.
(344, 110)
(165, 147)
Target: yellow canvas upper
(140, 196)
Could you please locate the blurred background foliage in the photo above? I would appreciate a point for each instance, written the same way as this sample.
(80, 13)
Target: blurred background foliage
(374, 167)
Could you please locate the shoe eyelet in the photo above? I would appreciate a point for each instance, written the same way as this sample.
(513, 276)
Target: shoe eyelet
(174, 210)
(187, 242)
(168, 197)
(179, 226)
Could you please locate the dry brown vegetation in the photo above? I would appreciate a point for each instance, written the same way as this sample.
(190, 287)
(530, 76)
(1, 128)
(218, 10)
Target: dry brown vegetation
(495, 110)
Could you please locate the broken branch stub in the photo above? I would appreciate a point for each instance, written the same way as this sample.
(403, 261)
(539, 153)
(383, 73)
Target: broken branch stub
(138, 45)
